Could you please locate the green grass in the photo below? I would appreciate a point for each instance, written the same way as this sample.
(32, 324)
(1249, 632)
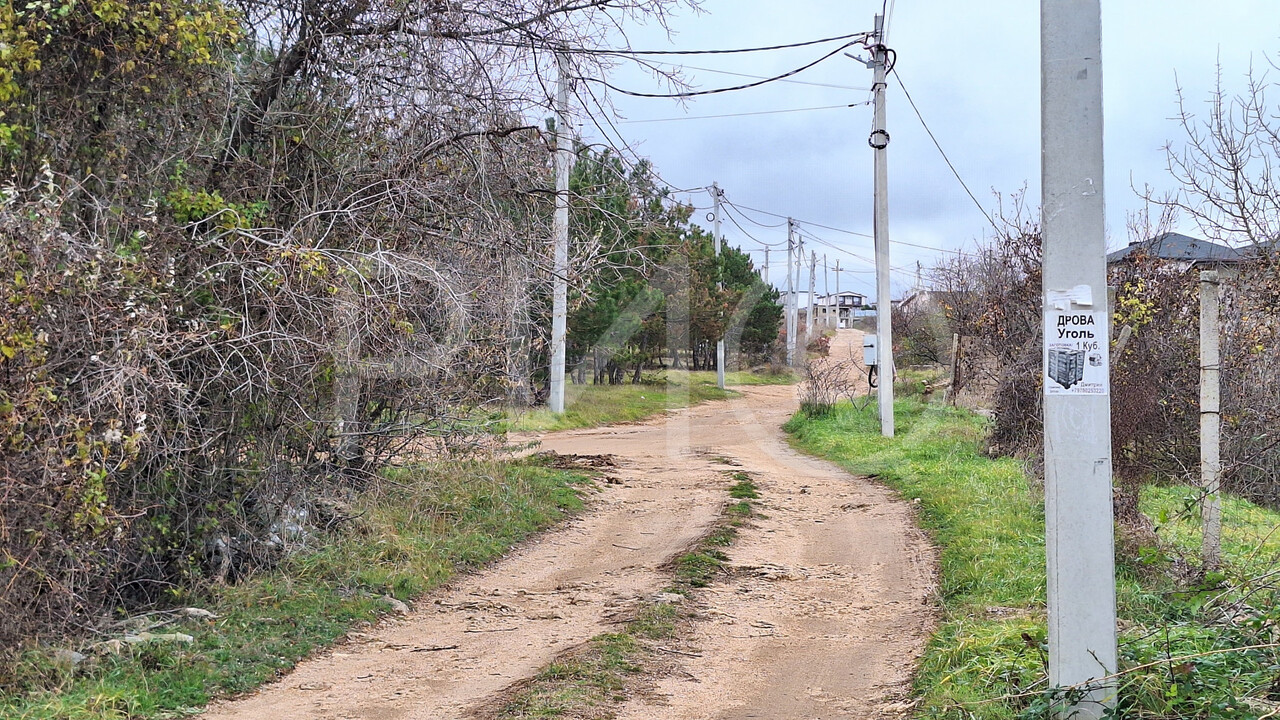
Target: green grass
(592, 676)
(987, 520)
(595, 405)
(762, 377)
(745, 488)
(420, 531)
(593, 679)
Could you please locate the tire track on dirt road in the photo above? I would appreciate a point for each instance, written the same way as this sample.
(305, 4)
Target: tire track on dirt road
(828, 605)
(825, 612)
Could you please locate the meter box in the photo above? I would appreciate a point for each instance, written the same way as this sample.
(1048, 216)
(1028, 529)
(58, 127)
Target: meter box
(1066, 366)
(869, 356)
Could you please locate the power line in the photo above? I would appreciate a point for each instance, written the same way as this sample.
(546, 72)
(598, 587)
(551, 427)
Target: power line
(733, 115)
(892, 268)
(888, 16)
(738, 225)
(767, 48)
(757, 223)
(758, 77)
(651, 168)
(809, 223)
(737, 206)
(697, 93)
(955, 172)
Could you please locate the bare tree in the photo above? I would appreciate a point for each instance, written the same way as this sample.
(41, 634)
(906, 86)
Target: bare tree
(251, 267)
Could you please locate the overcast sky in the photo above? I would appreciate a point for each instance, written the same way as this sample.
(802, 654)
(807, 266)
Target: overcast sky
(972, 69)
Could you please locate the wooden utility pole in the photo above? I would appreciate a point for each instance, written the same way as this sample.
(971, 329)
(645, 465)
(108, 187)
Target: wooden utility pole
(560, 291)
(884, 303)
(1210, 422)
(715, 199)
(1079, 526)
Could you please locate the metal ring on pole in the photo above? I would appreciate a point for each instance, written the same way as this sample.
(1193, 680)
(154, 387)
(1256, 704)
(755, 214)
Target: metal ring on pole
(875, 141)
(711, 217)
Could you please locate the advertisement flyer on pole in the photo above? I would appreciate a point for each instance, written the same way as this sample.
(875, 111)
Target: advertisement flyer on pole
(1076, 355)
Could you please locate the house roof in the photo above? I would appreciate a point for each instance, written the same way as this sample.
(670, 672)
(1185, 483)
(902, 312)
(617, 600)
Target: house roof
(1175, 246)
(1264, 248)
(830, 299)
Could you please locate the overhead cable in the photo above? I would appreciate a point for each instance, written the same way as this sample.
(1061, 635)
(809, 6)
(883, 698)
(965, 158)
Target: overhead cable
(830, 86)
(733, 115)
(768, 48)
(697, 93)
(955, 172)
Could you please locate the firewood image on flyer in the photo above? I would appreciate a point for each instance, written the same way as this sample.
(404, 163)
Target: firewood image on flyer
(1075, 358)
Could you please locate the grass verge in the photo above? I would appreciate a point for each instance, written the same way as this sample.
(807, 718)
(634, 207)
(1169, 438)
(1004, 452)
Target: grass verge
(591, 680)
(1179, 632)
(428, 524)
(595, 405)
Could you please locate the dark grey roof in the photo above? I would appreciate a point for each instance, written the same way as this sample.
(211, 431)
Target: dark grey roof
(1175, 246)
(1264, 248)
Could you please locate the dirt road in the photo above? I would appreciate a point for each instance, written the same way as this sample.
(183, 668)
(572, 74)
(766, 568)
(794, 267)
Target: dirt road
(823, 616)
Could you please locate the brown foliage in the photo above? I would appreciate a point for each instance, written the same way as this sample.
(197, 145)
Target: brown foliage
(246, 271)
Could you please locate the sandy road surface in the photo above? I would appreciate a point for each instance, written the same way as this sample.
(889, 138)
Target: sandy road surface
(822, 617)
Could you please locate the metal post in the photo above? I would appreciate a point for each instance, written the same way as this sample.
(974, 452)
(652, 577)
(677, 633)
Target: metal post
(715, 198)
(1210, 460)
(1077, 412)
(560, 292)
(884, 302)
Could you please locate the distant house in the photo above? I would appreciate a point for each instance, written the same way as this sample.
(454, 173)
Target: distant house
(940, 303)
(838, 309)
(1181, 251)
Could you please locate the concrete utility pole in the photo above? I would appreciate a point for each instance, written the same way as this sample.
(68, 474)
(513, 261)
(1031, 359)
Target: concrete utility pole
(764, 276)
(798, 348)
(813, 275)
(1077, 410)
(1210, 420)
(826, 290)
(560, 292)
(884, 302)
(789, 306)
(838, 306)
(715, 198)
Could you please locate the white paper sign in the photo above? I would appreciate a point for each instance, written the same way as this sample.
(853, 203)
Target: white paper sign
(1076, 353)
(1062, 299)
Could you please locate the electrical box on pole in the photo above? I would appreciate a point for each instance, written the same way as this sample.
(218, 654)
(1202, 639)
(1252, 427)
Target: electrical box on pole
(1079, 525)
